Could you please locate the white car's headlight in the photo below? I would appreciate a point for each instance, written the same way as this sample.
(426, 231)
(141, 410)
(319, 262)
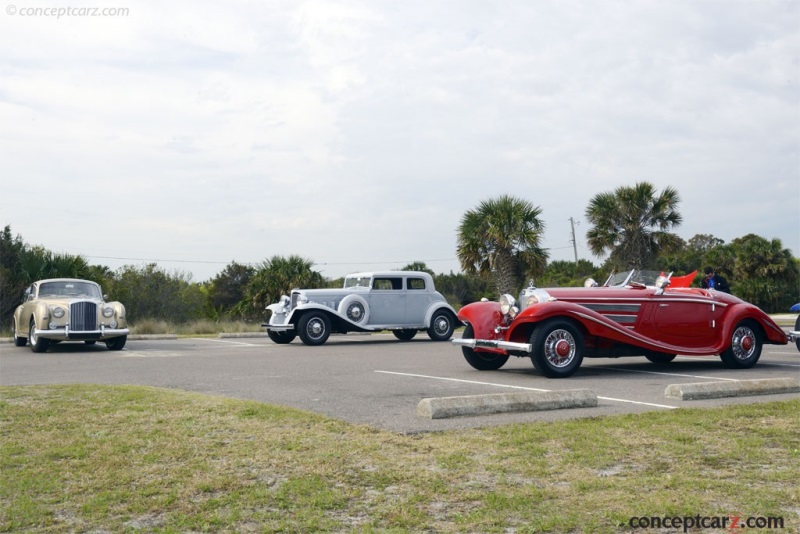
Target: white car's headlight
(108, 311)
(57, 311)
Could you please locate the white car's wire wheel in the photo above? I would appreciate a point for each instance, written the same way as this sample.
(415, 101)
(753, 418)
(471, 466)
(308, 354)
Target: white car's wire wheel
(797, 327)
(314, 328)
(405, 334)
(355, 309)
(281, 338)
(442, 326)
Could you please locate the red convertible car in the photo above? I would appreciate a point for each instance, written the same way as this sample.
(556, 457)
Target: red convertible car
(636, 313)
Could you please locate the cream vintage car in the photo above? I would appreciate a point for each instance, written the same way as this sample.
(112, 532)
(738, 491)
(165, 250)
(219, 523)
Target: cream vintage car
(68, 309)
(404, 302)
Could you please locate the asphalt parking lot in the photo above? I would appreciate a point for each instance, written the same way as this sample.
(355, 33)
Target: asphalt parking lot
(376, 380)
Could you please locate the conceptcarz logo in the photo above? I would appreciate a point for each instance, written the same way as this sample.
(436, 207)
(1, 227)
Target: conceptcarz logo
(685, 523)
(59, 12)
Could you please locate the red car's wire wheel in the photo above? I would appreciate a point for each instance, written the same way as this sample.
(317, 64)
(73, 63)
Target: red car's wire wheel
(560, 348)
(743, 343)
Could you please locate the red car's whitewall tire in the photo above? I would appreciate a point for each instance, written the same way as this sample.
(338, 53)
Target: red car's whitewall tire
(557, 348)
(745, 347)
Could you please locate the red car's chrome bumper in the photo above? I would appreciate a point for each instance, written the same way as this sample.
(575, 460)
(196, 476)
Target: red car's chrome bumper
(492, 344)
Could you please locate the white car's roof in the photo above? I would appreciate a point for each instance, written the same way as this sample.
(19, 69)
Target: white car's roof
(373, 274)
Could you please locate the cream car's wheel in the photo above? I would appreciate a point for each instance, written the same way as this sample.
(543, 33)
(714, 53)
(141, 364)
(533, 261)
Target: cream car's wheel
(745, 348)
(18, 340)
(116, 343)
(314, 328)
(38, 344)
(355, 309)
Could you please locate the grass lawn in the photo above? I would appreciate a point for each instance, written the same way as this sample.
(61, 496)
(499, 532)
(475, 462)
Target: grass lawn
(141, 459)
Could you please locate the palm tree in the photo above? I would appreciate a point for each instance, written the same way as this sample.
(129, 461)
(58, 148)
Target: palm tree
(631, 224)
(275, 277)
(500, 238)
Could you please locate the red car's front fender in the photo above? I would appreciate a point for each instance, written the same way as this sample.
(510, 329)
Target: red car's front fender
(483, 317)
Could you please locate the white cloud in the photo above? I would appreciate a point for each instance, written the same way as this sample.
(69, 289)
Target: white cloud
(353, 131)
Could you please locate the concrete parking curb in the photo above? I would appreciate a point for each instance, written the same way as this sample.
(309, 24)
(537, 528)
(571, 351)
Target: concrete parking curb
(740, 388)
(224, 335)
(529, 401)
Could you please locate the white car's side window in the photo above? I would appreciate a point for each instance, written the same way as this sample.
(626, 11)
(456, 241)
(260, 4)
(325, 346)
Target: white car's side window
(416, 283)
(388, 284)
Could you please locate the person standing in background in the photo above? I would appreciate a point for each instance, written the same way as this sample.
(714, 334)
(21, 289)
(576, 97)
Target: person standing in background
(714, 281)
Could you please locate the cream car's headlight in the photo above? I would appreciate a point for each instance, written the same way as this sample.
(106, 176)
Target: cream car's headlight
(108, 311)
(57, 311)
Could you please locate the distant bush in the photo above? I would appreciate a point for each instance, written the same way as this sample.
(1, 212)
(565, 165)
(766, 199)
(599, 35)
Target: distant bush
(151, 326)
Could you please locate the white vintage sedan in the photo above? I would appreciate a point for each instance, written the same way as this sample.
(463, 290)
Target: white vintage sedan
(68, 309)
(404, 302)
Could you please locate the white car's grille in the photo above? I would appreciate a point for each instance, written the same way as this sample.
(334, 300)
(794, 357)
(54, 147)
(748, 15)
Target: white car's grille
(295, 297)
(83, 316)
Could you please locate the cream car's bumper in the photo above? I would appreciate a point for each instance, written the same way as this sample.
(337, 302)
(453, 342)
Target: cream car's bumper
(65, 333)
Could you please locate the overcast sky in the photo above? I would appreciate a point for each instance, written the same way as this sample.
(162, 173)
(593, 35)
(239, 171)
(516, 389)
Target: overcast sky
(357, 133)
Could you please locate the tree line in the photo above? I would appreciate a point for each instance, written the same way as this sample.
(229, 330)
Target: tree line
(499, 248)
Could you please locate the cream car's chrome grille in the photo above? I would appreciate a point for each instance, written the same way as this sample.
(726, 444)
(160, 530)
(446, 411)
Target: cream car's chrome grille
(83, 316)
(295, 297)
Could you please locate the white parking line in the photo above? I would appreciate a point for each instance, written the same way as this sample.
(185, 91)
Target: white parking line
(459, 380)
(225, 341)
(517, 387)
(637, 402)
(664, 374)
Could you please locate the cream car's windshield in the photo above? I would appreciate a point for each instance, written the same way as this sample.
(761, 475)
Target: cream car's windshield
(69, 289)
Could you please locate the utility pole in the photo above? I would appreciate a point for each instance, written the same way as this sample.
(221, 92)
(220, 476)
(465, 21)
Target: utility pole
(574, 243)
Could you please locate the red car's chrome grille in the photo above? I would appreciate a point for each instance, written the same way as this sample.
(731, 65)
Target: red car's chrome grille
(83, 316)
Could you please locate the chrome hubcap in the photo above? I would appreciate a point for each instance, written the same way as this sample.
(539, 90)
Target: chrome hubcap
(441, 325)
(355, 312)
(743, 343)
(559, 348)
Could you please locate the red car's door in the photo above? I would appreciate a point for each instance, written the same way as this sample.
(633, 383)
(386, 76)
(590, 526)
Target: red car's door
(685, 320)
